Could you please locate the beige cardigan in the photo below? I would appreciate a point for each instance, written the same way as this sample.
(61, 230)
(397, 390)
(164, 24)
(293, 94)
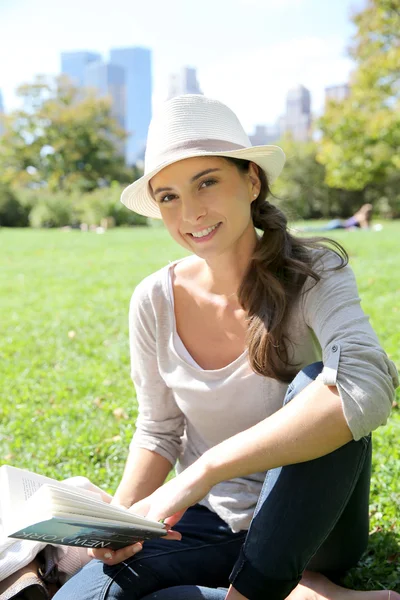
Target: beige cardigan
(184, 410)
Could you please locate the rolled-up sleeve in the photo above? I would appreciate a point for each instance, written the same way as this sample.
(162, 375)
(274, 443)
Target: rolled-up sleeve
(160, 423)
(353, 358)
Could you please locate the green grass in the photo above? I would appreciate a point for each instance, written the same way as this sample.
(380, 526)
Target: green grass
(67, 405)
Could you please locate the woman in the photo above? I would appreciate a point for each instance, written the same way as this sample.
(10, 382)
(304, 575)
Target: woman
(215, 340)
(360, 220)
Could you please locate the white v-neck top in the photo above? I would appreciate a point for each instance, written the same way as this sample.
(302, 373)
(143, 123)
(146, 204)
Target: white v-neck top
(184, 410)
(179, 345)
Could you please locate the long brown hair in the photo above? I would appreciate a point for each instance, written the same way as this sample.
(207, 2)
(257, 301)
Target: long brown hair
(278, 269)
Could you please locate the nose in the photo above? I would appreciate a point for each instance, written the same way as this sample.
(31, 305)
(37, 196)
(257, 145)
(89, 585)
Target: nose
(192, 210)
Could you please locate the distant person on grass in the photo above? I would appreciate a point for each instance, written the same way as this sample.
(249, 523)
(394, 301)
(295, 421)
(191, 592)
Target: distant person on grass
(360, 220)
(273, 446)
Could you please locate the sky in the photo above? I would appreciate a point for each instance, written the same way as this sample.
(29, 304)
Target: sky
(248, 53)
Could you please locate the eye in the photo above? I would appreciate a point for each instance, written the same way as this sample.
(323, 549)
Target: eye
(167, 198)
(208, 182)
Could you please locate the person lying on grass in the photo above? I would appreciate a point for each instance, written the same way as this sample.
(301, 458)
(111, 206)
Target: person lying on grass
(360, 220)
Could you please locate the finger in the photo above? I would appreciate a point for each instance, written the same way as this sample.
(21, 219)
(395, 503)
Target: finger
(165, 517)
(172, 535)
(173, 519)
(113, 557)
(140, 508)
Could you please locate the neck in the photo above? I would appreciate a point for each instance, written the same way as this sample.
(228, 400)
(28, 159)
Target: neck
(224, 273)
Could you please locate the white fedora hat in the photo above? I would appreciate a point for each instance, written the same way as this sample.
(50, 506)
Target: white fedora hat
(193, 125)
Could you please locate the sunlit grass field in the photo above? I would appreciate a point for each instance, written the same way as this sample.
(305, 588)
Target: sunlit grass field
(67, 405)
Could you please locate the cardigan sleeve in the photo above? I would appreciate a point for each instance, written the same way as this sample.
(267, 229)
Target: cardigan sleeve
(353, 358)
(160, 422)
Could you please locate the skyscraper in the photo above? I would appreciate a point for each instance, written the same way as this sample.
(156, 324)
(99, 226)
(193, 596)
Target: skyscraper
(108, 80)
(136, 63)
(74, 64)
(337, 92)
(265, 134)
(298, 113)
(184, 82)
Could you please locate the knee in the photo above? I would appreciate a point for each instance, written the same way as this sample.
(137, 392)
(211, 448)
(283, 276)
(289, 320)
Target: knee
(303, 379)
(90, 583)
(311, 371)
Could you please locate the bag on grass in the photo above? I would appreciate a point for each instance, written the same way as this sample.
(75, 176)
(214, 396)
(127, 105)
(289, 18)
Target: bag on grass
(37, 580)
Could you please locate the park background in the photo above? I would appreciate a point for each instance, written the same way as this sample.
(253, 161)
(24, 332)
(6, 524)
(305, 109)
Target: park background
(67, 406)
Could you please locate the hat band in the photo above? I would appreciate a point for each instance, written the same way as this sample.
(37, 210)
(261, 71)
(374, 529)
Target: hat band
(195, 146)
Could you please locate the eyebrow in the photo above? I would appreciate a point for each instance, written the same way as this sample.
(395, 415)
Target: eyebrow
(192, 180)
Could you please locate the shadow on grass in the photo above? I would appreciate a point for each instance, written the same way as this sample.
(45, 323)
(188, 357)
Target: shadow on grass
(379, 567)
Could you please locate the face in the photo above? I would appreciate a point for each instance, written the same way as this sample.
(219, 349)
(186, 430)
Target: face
(205, 203)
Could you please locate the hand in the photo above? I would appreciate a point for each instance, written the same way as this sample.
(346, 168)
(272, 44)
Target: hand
(170, 501)
(113, 557)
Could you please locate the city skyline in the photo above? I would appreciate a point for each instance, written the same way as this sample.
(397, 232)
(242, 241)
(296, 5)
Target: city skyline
(119, 78)
(248, 56)
(127, 79)
(296, 119)
(183, 81)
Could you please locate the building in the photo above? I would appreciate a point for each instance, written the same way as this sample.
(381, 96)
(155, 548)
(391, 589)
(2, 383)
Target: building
(337, 92)
(136, 63)
(281, 125)
(184, 82)
(108, 80)
(265, 134)
(74, 65)
(1, 114)
(298, 113)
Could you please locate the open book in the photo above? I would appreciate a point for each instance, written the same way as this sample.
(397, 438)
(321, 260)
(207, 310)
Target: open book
(34, 507)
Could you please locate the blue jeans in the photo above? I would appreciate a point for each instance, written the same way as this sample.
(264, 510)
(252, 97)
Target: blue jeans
(310, 515)
(334, 224)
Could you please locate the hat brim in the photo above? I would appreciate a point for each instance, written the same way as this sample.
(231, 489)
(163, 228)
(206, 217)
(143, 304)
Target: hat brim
(137, 196)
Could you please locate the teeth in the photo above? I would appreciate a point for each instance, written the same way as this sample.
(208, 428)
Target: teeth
(205, 232)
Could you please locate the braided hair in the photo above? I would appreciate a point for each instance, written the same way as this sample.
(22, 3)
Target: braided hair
(274, 279)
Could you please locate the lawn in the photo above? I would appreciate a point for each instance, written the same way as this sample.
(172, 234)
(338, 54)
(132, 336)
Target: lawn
(67, 405)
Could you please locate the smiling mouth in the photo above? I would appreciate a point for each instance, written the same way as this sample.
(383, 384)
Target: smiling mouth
(204, 232)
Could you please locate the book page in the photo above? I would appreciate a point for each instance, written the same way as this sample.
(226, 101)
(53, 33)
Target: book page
(107, 523)
(18, 485)
(54, 499)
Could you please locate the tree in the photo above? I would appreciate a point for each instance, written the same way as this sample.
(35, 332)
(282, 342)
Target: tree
(62, 139)
(12, 213)
(301, 190)
(361, 135)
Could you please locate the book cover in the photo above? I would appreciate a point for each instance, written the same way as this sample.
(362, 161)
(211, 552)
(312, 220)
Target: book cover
(68, 532)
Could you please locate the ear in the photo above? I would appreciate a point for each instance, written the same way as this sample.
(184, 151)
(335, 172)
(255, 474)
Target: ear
(254, 180)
